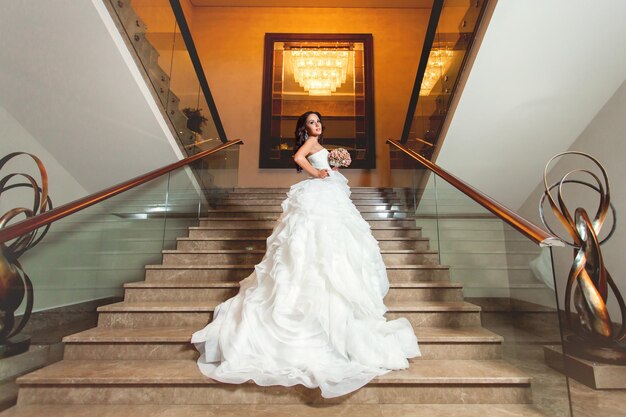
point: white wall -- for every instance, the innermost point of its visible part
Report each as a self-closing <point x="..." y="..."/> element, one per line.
<point x="90" y="254"/>
<point x="71" y="94"/>
<point x="15" y="138"/>
<point x="66" y="77"/>
<point x="544" y="70"/>
<point x="605" y="139"/>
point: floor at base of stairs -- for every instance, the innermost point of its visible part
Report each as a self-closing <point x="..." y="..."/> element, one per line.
<point x="425" y="410"/>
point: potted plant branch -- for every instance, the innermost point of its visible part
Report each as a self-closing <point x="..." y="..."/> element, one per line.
<point x="195" y="119"/>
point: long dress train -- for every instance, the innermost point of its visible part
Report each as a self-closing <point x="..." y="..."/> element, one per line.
<point x="312" y="311"/>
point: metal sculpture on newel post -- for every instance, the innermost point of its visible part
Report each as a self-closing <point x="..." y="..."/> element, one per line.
<point x="590" y="333"/>
<point x="15" y="285"/>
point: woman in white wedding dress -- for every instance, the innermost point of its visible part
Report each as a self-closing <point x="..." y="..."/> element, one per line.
<point x="312" y="312"/>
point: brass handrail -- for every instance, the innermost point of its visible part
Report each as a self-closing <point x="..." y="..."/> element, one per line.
<point x="525" y="227"/>
<point x="30" y="224"/>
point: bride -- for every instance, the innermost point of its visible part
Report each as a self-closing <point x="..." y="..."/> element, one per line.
<point x="312" y="312"/>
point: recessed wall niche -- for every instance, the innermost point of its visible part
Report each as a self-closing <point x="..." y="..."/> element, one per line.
<point x="328" y="73"/>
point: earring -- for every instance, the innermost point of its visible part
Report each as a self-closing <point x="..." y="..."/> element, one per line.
<point x="306" y="135"/>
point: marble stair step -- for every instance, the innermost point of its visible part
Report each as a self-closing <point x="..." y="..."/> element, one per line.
<point x="490" y="275"/>
<point x="253" y="190"/>
<point x="230" y="256"/>
<point x="165" y="343"/>
<point x="180" y="382"/>
<point x="263" y="199"/>
<point x="199" y="313"/>
<point x="236" y="272"/>
<point x="537" y="292"/>
<point x="480" y="234"/>
<point x="263" y="223"/>
<point x="276" y="410"/>
<point x="473" y="245"/>
<point x="219" y="291"/>
<point x="231" y="230"/>
<point x="357" y="201"/>
<point x="283" y="192"/>
<point x="274" y="214"/>
<point x="258" y="243"/>
<point x="490" y="258"/>
<point x="264" y="207"/>
<point x="283" y="195"/>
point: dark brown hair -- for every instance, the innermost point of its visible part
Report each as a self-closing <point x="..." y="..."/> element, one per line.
<point x="301" y="134"/>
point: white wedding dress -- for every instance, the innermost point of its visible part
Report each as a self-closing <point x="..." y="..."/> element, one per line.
<point x="312" y="311"/>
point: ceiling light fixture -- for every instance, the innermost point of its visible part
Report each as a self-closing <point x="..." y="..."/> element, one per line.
<point x="320" y="71"/>
<point x="439" y="62"/>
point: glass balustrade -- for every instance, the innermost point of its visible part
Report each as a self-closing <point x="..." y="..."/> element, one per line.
<point x="506" y="275"/>
<point x="452" y="41"/>
<point x="87" y="257"/>
<point x="156" y="37"/>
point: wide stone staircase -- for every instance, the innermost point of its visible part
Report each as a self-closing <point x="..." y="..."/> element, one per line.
<point x="139" y="361"/>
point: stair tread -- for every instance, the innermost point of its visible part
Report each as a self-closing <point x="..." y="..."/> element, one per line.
<point x="250" y="266"/>
<point x="238" y="251"/>
<point x="264" y="238"/>
<point x="253" y="219"/>
<point x="358" y="196"/>
<point x="231" y="284"/>
<point x="279" y="210"/>
<point x="162" y="372"/>
<point x="491" y="252"/>
<point x="278" y="200"/>
<point x="269" y="189"/>
<point x="268" y="200"/>
<point x="272" y="410"/>
<point x="201" y="306"/>
<point x="183" y="335"/>
<point x="512" y="285"/>
<point x="492" y="267"/>
<point x="274" y="211"/>
<point x="269" y="228"/>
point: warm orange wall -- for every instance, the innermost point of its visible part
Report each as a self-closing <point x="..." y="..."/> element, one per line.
<point x="230" y="44"/>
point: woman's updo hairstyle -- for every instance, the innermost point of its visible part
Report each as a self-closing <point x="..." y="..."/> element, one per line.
<point x="301" y="133"/>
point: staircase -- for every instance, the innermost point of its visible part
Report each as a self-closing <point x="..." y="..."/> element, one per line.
<point x="139" y="36"/>
<point x="138" y="360"/>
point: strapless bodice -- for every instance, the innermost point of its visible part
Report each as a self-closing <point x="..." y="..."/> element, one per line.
<point x="319" y="159"/>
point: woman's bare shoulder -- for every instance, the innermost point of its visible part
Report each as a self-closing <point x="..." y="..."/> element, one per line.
<point x="304" y="150"/>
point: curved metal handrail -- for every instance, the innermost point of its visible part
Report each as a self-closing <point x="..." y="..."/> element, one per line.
<point x="30" y="224"/>
<point x="524" y="226"/>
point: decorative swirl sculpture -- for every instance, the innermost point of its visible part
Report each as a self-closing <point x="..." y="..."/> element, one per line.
<point x="15" y="284"/>
<point x="594" y="334"/>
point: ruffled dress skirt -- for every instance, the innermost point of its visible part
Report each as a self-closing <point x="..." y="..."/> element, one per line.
<point x="312" y="312"/>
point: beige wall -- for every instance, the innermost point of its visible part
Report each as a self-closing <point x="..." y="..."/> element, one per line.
<point x="230" y="45"/>
<point x="604" y="138"/>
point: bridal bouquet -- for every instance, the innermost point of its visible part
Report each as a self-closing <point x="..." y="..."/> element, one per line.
<point x="339" y="157"/>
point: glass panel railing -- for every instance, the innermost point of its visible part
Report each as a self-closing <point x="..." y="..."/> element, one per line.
<point x="508" y="276"/>
<point x="452" y="41"/>
<point x="86" y="258"/>
<point x="156" y="37"/>
<point x="89" y="254"/>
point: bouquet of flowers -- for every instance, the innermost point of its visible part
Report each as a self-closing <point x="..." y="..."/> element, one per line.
<point x="339" y="157"/>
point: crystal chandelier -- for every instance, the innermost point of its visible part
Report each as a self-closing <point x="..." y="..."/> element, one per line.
<point x="438" y="64"/>
<point x="320" y="71"/>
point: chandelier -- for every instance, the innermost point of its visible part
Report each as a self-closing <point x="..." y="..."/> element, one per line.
<point x="438" y="64"/>
<point x="321" y="71"/>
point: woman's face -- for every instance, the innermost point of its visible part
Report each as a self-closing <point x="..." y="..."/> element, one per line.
<point x="313" y="125"/>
